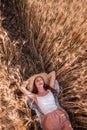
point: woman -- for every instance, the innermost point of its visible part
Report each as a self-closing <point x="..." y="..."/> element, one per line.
<point x="54" y="118"/>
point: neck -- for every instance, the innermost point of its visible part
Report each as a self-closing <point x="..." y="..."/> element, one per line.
<point x="43" y="92"/>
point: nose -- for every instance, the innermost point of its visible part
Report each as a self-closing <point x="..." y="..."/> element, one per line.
<point x="40" y="82"/>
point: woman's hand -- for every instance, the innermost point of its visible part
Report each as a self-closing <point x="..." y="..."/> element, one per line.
<point x="25" y="91"/>
<point x="24" y="84"/>
<point x="52" y="77"/>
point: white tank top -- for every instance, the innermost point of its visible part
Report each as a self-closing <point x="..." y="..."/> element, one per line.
<point x="46" y="103"/>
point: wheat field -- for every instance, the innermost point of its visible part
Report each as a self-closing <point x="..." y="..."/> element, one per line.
<point x="38" y="36"/>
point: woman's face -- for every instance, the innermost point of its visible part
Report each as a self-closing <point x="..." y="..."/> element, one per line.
<point x="39" y="82"/>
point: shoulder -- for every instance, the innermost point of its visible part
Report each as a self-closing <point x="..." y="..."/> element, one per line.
<point x="48" y="90"/>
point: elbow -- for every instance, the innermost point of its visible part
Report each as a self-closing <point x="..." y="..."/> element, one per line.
<point x="54" y="73"/>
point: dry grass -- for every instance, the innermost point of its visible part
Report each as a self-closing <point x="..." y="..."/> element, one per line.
<point x="42" y="36"/>
<point x="15" y="113"/>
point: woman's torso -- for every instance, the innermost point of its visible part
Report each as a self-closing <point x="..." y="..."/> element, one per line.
<point x="46" y="103"/>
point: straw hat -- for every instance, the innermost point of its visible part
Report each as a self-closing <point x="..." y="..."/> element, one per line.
<point x="31" y="80"/>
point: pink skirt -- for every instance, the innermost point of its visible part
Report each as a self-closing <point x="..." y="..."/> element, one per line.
<point x="56" y="120"/>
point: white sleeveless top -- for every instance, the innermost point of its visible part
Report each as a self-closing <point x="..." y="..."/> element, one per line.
<point x="46" y="103"/>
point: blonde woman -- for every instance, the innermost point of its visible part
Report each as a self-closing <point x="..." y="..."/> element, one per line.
<point x="41" y="88"/>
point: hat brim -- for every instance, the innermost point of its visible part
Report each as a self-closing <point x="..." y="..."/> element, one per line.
<point x="32" y="78"/>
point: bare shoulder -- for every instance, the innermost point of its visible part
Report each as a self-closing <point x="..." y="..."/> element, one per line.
<point x="48" y="90"/>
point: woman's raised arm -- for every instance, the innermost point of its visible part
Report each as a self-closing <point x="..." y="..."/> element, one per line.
<point x="52" y="77"/>
<point x="25" y="91"/>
